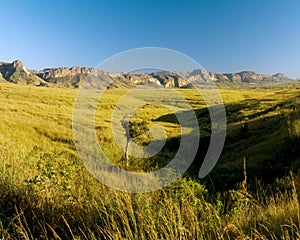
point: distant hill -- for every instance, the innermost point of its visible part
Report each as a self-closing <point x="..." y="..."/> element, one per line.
<point x="17" y="73"/>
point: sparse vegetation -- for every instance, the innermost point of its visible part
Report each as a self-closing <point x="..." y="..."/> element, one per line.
<point x="46" y="192"/>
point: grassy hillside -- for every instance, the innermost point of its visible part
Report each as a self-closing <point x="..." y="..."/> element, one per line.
<point x="46" y="192"/>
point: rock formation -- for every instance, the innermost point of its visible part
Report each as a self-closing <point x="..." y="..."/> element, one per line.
<point x="73" y="77"/>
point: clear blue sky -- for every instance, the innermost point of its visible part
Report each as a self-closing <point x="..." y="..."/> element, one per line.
<point x="223" y="36"/>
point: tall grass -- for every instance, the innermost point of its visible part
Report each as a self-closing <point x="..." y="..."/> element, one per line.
<point x="80" y="208"/>
<point x="46" y="192"/>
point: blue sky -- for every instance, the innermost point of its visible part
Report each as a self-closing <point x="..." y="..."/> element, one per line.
<point x="223" y="36"/>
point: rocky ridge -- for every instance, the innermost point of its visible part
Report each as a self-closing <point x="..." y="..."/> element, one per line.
<point x="17" y="73"/>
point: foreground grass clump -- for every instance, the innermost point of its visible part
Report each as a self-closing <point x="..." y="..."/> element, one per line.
<point x="58" y="204"/>
<point x="46" y="192"/>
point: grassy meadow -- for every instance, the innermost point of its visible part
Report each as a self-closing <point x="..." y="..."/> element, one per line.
<point x="252" y="193"/>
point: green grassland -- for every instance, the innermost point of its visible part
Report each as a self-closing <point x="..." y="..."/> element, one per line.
<point x="47" y="193"/>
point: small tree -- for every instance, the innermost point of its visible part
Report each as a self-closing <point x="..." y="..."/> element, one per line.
<point x="133" y="130"/>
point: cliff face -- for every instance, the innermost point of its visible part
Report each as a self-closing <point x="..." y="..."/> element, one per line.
<point x="252" y="77"/>
<point x="49" y="73"/>
<point x="170" y="79"/>
<point x="16" y="72"/>
<point x="136" y="79"/>
<point x="65" y="77"/>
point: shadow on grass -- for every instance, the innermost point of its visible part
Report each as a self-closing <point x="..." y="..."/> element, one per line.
<point x="261" y="137"/>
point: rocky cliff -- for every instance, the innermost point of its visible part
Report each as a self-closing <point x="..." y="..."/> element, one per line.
<point x="16" y="72"/>
<point x="73" y="77"/>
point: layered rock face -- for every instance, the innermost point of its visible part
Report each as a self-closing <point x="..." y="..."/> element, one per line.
<point x="49" y="73"/>
<point x="16" y="72"/>
<point x="252" y="77"/>
<point x="73" y="77"/>
<point x="170" y="79"/>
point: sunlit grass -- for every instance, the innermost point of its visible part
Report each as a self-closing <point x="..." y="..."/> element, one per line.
<point x="46" y="192"/>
